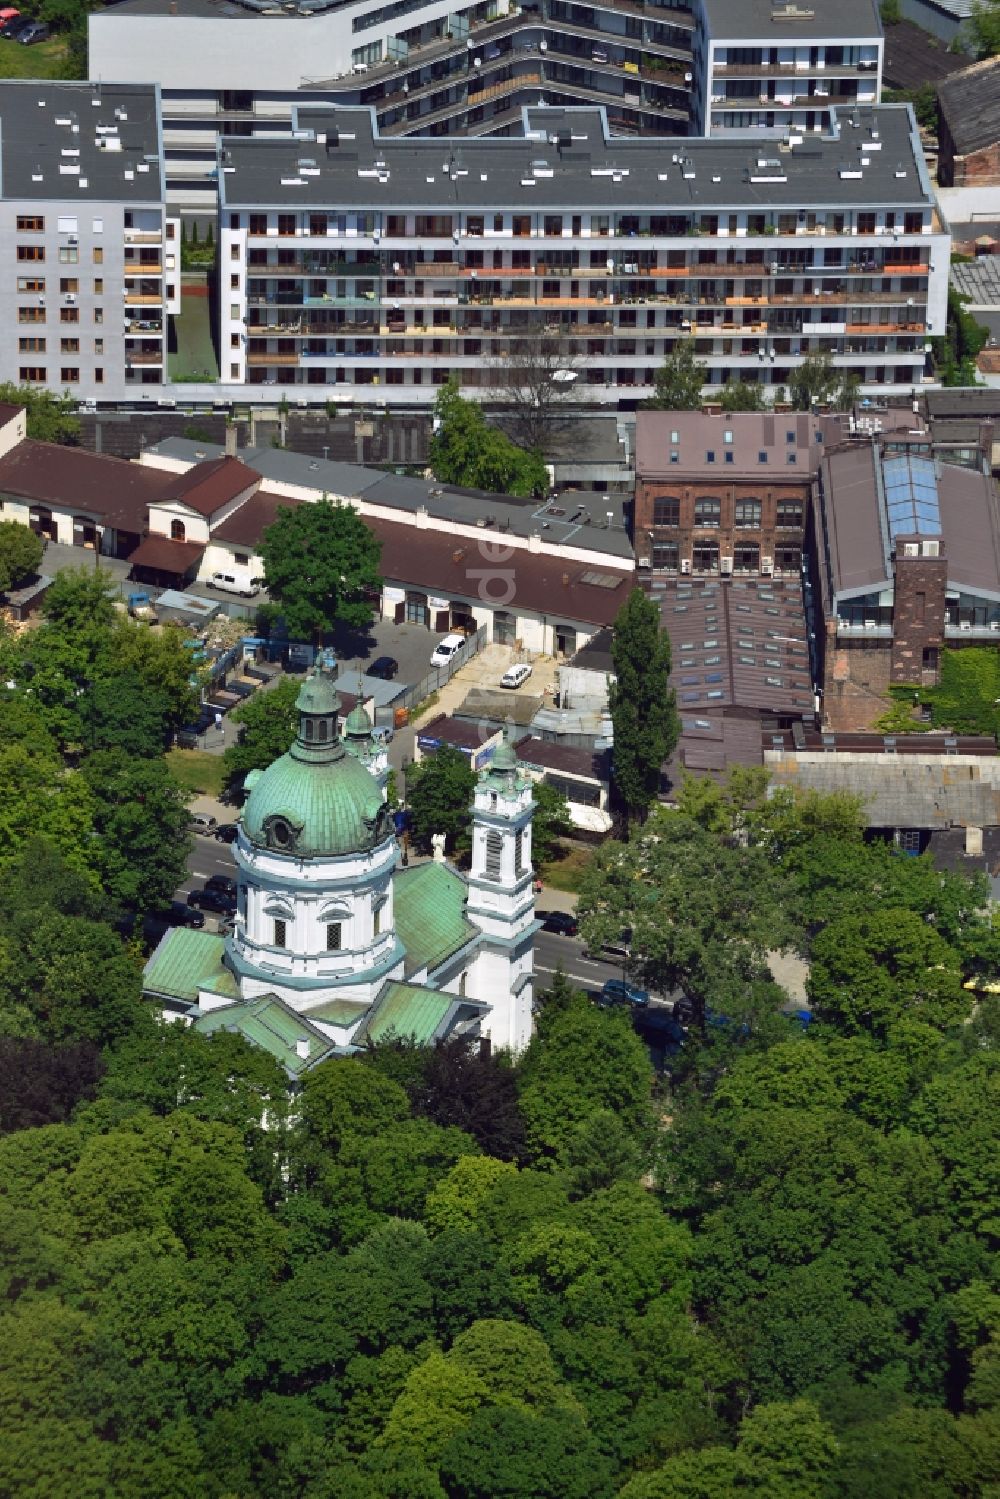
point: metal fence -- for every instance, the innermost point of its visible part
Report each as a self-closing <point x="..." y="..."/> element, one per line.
<point x="435" y="679"/>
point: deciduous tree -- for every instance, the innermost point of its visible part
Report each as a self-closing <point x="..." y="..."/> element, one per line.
<point x="643" y="706"/>
<point x="679" y="380"/>
<point x="20" y="553"/>
<point x="321" y="566"/>
<point x="439" y="796"/>
<point x="466" y="450"/>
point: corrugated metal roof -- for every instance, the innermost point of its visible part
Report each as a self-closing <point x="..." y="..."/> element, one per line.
<point x="185" y="962"/>
<point x="899" y="792"/>
<point x="407" y="1010"/>
<point x="275" y="1027"/>
<point x="430" y="914"/>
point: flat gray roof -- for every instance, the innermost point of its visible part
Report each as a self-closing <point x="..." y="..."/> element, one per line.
<point x="848" y="20"/>
<point x="580" y="521"/>
<point x="47" y="128"/>
<point x="567" y="158"/>
<point x="735" y="440"/>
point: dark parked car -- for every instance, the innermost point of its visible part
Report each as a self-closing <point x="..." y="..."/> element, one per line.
<point x="227" y="832"/>
<point x="559" y="921"/>
<point x="35" y="31"/>
<point x="222" y="883"/>
<point x="176" y="914"/>
<point x="13" y="28"/>
<point x="212" y="900"/>
<point x="386" y="667"/>
<point x="660" y="1029"/>
<point x="620" y="992"/>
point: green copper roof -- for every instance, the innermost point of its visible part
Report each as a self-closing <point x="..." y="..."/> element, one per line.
<point x="318" y="694"/>
<point x="185" y="962"/>
<point x="338" y="1012"/>
<point x="317" y="799"/>
<point x="430" y="914"/>
<point x="271" y="1024"/>
<point x="358" y="725"/>
<point x="332" y="808"/>
<point x="406" y="1010"/>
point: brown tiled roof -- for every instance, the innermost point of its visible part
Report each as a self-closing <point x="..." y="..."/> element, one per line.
<point x="445" y="564"/>
<point x="209" y="486"/>
<point x="545" y="754"/>
<point x="113" y="490"/>
<point x="247" y="525"/>
<point x="167" y="556"/>
<point x="8" y="412"/>
<point x="737" y="644"/>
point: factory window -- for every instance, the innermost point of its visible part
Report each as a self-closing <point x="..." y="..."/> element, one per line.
<point x="707" y="512"/>
<point x="666" y="511"/>
<point x="747" y="515"/>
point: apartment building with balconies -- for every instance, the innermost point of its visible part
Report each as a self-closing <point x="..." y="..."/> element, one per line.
<point x="92" y="265"/>
<point x="238" y="68"/>
<point x="781" y="66"/>
<point x="350" y="260"/>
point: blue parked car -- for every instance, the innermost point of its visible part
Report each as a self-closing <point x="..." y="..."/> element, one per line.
<point x="619" y="992"/>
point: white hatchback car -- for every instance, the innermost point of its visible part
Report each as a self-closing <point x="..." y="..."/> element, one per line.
<point x="445" y="649"/>
<point x="515" y="675"/>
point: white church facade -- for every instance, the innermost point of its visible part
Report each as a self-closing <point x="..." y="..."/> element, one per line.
<point x="334" y="946"/>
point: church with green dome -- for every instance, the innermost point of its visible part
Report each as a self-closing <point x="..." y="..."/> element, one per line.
<point x="335" y="945"/>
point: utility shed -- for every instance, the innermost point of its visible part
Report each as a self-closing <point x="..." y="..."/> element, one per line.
<point x="969" y="136"/>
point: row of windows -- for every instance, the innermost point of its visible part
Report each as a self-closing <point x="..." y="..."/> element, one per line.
<point x="66" y="314"/>
<point x="34" y="223"/>
<point x="68" y="254"/>
<point x="67" y="284"/>
<point x="706" y="558"/>
<point x="334" y="931"/>
<point x="747" y="513"/>
<point x="69" y="374"/>
<point x="37" y="345"/>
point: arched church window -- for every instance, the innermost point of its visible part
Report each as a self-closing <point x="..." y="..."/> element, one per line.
<point x="309" y="728"/>
<point x="322" y="730"/>
<point x="494" y="854"/>
<point x="333" y="936"/>
<point x="280" y="933"/>
<point x="177" y="530"/>
<point x="519" y="852"/>
<point x="377" y="919"/>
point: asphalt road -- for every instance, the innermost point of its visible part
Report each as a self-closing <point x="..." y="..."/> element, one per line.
<point x="552" y="951"/>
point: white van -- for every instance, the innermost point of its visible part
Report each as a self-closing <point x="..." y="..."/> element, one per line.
<point x="241" y="583"/>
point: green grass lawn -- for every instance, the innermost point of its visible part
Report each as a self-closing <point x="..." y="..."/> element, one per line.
<point x="194" y="356"/>
<point x="567" y="872"/>
<point x="45" y="60"/>
<point x="197" y="771"/>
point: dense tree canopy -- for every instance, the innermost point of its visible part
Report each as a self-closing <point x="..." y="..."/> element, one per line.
<point x="321" y="567"/>
<point x="766" y="1266"/>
